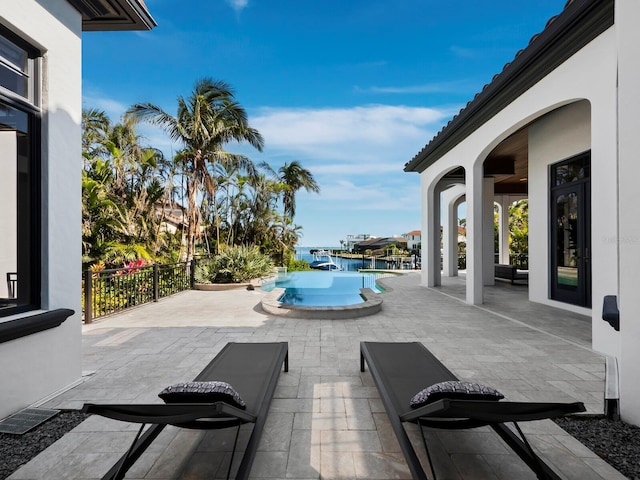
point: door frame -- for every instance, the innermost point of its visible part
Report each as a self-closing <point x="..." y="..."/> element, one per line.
<point x="581" y="186"/>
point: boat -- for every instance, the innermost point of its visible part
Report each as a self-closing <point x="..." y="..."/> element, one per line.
<point x="322" y="261"/>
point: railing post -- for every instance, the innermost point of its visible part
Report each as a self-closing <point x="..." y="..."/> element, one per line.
<point x="155" y="282"/>
<point x="192" y="273"/>
<point x="88" y="296"/>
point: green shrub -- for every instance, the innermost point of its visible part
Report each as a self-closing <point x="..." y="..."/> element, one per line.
<point x="298" y="266"/>
<point x="234" y="265"/>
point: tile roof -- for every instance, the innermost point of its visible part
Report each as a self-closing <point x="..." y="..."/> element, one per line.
<point x="579" y="22"/>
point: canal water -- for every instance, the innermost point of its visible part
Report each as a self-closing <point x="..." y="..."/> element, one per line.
<point x="347" y="264"/>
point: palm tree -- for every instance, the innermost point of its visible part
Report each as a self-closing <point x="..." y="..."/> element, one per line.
<point x="204" y="122"/>
<point x="122" y="183"/>
<point x="295" y="178"/>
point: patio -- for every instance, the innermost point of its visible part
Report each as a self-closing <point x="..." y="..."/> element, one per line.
<point x="326" y="420"/>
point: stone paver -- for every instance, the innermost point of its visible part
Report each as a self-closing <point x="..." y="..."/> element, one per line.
<point x="326" y="420"/>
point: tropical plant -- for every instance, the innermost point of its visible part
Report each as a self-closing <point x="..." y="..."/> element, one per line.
<point x="519" y="227"/>
<point x="234" y="265"/>
<point x="122" y="185"/>
<point x="294" y="178"/>
<point x="204" y="123"/>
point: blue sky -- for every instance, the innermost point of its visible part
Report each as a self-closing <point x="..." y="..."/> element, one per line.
<point x="351" y="89"/>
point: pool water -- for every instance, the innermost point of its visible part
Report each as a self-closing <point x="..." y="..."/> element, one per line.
<point x="324" y="288"/>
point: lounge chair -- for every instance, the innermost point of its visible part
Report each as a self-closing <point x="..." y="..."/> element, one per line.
<point x="400" y="370"/>
<point x="251" y="368"/>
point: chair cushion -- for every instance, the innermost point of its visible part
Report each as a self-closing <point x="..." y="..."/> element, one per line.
<point x="454" y="389"/>
<point x="202" y="392"/>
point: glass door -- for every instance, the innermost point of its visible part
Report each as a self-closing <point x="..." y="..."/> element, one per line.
<point x="570" y="268"/>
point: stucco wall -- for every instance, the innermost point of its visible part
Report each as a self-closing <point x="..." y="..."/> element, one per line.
<point x="590" y="74"/>
<point x="628" y="237"/>
<point x="557" y="136"/>
<point x="36" y="366"/>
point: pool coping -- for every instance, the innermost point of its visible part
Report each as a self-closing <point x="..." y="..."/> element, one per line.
<point x="371" y="305"/>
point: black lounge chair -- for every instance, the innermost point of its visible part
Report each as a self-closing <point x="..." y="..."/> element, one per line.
<point x="400" y="370"/>
<point x="251" y="368"/>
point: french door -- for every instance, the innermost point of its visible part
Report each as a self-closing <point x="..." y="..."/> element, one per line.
<point x="570" y="242"/>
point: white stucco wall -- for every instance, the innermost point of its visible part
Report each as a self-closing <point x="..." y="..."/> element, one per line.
<point x="38" y="365"/>
<point x="557" y="136"/>
<point x="597" y="63"/>
<point x="628" y="236"/>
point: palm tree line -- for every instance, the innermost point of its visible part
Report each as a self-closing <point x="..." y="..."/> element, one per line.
<point x="130" y="190"/>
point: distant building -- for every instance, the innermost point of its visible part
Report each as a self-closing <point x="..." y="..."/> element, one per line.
<point x="172" y="217"/>
<point x="414" y="239"/>
<point x="378" y="245"/>
<point x="353" y="239"/>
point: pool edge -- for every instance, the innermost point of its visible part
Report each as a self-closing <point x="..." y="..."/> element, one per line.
<point x="371" y="305"/>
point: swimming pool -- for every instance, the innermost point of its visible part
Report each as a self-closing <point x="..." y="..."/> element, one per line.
<point x="324" y="288"/>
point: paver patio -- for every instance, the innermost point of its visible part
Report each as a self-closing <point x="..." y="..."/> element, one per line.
<point x="326" y="420"/>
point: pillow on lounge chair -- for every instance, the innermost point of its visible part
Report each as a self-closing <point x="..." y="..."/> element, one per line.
<point x="454" y="389"/>
<point x="202" y="392"/>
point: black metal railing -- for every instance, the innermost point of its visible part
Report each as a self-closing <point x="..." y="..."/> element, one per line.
<point x="110" y="291"/>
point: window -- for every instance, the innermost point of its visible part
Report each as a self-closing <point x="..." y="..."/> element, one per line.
<point x="19" y="177"/>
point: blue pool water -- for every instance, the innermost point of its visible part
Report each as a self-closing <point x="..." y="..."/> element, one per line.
<point x="323" y="288"/>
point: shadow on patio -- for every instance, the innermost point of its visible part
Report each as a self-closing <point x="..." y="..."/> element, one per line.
<point x="326" y="420"/>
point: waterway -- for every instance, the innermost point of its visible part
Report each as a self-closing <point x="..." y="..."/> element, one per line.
<point x="347" y="264"/>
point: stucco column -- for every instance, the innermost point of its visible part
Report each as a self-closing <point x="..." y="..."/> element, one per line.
<point x="503" y="229"/>
<point x="430" y="234"/>
<point x="627" y="17"/>
<point x="474" y="196"/>
<point x="488" y="246"/>
<point x="450" y="201"/>
<point x="437" y="239"/>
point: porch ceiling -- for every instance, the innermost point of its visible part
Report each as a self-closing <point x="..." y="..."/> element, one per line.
<point x="508" y="165"/>
<point x="515" y="149"/>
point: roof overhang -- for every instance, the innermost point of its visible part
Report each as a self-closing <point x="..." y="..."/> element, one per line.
<point x="103" y="15"/>
<point x="579" y="23"/>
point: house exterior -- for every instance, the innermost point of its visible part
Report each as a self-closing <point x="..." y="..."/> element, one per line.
<point x="413" y="239"/>
<point x="558" y="126"/>
<point x="40" y="144"/>
<point x="353" y="239"/>
<point x="380" y="243"/>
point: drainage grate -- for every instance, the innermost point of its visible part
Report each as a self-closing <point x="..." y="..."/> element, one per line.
<point x="23" y="421"/>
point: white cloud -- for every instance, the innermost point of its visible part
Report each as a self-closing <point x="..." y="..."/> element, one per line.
<point x="238" y="5"/>
<point x="372" y="134"/>
<point x="463" y="52"/>
<point x="436" y="87"/>
<point x="378" y="196"/>
<point x="113" y="108"/>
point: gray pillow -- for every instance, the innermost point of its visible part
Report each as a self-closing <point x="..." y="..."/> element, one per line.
<point x="454" y="389"/>
<point x="202" y="392"/>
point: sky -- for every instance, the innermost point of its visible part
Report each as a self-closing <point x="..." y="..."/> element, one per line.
<point x="351" y="89"/>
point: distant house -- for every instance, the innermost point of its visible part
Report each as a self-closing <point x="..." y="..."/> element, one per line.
<point x="173" y="218"/>
<point x="413" y="238"/>
<point x="354" y="239"/>
<point x="380" y="244"/>
<point x="40" y="147"/>
<point x="558" y="126"/>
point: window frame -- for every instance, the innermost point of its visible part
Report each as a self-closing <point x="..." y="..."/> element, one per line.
<point x="30" y="106"/>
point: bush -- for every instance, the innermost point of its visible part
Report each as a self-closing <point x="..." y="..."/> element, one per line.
<point x="298" y="265"/>
<point x="234" y="265"/>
